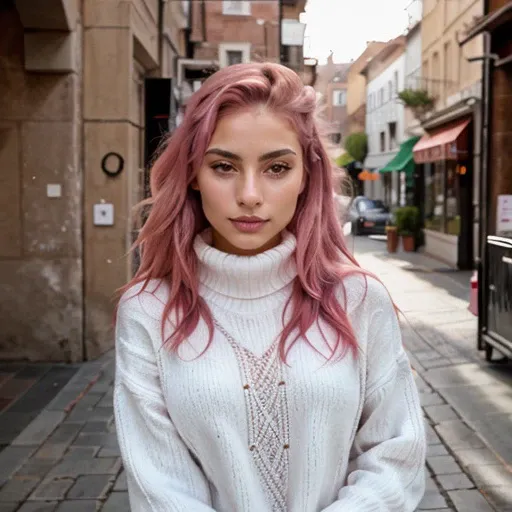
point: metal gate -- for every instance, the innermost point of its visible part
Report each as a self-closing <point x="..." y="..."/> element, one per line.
<point x="495" y="298"/>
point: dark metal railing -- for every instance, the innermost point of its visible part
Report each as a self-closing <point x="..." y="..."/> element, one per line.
<point x="498" y="295"/>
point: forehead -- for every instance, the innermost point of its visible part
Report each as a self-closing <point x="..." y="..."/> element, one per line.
<point x="257" y="128"/>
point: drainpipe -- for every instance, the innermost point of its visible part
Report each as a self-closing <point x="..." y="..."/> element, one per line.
<point x="279" y="31"/>
<point x="161" y="10"/>
<point x="203" y="19"/>
<point x="189" y="47"/>
<point x="483" y="185"/>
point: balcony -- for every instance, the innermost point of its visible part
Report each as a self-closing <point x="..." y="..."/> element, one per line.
<point x="424" y="95"/>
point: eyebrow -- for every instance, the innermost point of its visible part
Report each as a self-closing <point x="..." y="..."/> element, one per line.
<point x="262" y="158"/>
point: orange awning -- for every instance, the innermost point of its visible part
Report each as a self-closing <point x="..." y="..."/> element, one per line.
<point x="447" y="143"/>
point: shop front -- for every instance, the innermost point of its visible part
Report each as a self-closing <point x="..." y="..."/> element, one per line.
<point x="495" y="262"/>
<point x="446" y="156"/>
<point x="403" y="166"/>
<point x="382" y="187"/>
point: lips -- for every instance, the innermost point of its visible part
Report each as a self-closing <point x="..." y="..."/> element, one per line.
<point x="252" y="218"/>
<point x="247" y="224"/>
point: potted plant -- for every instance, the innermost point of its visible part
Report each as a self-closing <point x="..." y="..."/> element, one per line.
<point x="418" y="100"/>
<point x="408" y="224"/>
<point x="391" y="236"/>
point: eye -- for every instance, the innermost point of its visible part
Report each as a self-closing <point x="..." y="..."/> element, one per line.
<point x="222" y="167"/>
<point x="278" y="169"/>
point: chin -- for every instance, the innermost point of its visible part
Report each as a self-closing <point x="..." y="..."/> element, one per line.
<point x="251" y="243"/>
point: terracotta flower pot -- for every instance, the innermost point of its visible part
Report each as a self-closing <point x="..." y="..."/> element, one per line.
<point x="408" y="243"/>
<point x="392" y="239"/>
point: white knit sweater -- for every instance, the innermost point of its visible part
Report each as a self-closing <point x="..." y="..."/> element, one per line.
<point x="234" y="430"/>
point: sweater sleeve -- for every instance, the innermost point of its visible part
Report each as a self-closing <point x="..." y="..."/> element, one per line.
<point x="161" y="474"/>
<point x="386" y="469"/>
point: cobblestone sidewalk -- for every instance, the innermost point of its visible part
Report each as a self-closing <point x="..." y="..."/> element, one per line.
<point x="67" y="459"/>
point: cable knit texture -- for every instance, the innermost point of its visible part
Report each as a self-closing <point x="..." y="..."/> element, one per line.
<point x="235" y="430"/>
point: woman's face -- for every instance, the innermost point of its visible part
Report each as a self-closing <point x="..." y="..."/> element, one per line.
<point x="250" y="180"/>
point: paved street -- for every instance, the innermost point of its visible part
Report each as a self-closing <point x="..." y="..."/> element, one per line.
<point x="67" y="459"/>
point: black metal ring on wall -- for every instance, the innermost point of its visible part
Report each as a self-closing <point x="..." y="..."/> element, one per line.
<point x="120" y="164"/>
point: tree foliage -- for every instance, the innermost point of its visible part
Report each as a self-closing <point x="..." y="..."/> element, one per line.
<point x="356" y="145"/>
<point x="344" y="159"/>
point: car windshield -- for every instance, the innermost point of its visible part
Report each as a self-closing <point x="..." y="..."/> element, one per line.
<point x="370" y="204"/>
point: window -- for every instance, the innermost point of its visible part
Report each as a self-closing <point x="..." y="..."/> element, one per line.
<point x="435" y="74"/>
<point x="381" y="98"/>
<point x="390" y="89"/>
<point x="392" y="135"/>
<point x="236" y="7"/>
<point x="395" y="80"/>
<point x="448" y="66"/>
<point x="452" y="217"/>
<point x="434" y="196"/>
<point x="458" y="64"/>
<point x="234" y="57"/>
<point x="335" y="138"/>
<point x="339" y="98"/>
<point x="425" y="72"/>
<point x="382" y="142"/>
<point x="234" y="53"/>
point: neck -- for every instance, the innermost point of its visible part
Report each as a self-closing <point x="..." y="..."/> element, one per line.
<point x="246" y="277"/>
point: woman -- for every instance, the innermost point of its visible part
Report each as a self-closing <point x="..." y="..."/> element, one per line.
<point x="258" y="367"/>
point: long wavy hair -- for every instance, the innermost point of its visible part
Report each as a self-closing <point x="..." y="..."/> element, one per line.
<point x="176" y="216"/>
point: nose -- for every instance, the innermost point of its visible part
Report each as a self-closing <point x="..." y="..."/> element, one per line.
<point x="249" y="191"/>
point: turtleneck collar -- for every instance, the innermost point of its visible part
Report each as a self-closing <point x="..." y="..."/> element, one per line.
<point x="246" y="277"/>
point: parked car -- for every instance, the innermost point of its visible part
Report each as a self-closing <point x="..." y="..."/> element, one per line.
<point x="368" y="216"/>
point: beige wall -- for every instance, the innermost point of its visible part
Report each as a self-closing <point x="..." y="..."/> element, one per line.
<point x="58" y="270"/>
<point x="118" y="52"/>
<point x="445" y="69"/>
<point x="356" y="85"/>
<point x="40" y="237"/>
<point x="381" y="63"/>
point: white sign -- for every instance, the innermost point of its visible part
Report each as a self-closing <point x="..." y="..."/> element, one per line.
<point x="504" y="215"/>
<point x="103" y="214"/>
<point x="53" y="190"/>
<point x="292" y="33"/>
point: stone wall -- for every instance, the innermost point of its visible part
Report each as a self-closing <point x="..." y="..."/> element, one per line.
<point x="40" y="236"/>
<point x="120" y="49"/>
<point x="59" y="271"/>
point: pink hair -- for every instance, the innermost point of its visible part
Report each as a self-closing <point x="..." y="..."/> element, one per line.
<point x="176" y="217"/>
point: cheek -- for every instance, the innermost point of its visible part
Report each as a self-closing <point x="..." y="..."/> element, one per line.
<point x="213" y="192"/>
<point x="294" y="187"/>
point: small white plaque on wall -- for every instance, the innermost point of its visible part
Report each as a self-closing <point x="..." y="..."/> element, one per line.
<point x="53" y="190"/>
<point x="104" y="214"/>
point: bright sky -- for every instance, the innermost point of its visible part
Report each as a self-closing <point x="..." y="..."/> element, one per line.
<point x="344" y="26"/>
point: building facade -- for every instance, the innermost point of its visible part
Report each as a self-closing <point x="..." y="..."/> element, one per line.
<point x="450" y="147"/>
<point x="356" y="88"/>
<point x="413" y="62"/>
<point x="331" y="87"/>
<point x="225" y="32"/>
<point x="72" y="156"/>
<point x="495" y="261"/>
<point x="384" y="122"/>
<point x="88" y="89"/>
<point x="235" y="32"/>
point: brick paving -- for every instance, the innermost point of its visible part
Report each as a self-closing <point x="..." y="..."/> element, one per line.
<point x="67" y="458"/>
<point x="25" y="390"/>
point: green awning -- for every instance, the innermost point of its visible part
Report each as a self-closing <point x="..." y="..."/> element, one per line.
<point x="403" y="160"/>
